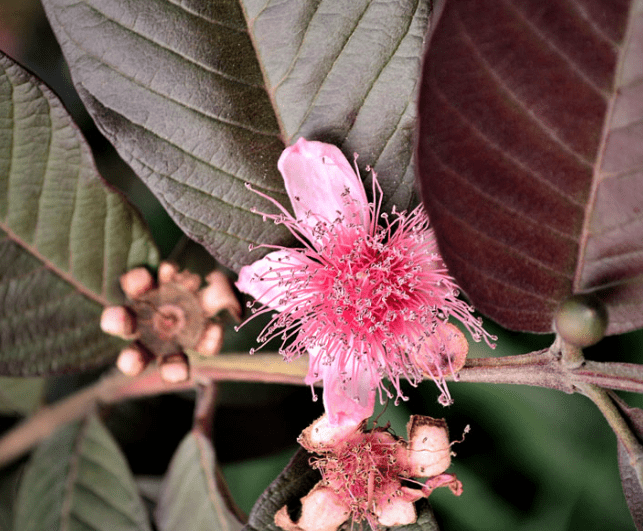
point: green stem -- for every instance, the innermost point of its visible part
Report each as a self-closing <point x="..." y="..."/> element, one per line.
<point x="624" y="434"/>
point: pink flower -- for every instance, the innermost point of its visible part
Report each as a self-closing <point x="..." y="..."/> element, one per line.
<point x="367" y="475"/>
<point x="364" y="301"/>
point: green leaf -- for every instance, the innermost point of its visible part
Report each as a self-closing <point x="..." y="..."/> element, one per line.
<point x="20" y="395"/>
<point x="64" y="237"/>
<point x="293" y="483"/>
<point x="9" y="480"/>
<point x="201" y="97"/>
<point x="193" y="496"/>
<point x="79" y="480"/>
<point x="630" y="476"/>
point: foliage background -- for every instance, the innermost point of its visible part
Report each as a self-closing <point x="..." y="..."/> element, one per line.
<point x="534" y="459"/>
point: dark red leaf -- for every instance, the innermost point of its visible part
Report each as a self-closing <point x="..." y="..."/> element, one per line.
<point x="530" y="158"/>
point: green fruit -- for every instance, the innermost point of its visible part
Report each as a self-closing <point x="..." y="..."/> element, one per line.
<point x="581" y="320"/>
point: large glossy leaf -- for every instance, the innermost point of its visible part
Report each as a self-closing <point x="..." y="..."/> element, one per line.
<point x="191" y="495"/>
<point x="531" y="121"/>
<point x="79" y="480"/>
<point x="64" y="237"/>
<point x="201" y="97"/>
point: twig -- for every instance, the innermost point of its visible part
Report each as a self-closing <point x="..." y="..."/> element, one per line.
<point x="114" y="387"/>
<point x="544" y="368"/>
<point x="601" y="398"/>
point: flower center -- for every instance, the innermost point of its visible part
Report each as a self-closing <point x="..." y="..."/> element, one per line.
<point x="361" y="468"/>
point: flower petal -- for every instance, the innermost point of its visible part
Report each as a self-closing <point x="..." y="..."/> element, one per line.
<point x="429" y="452"/>
<point x="349" y="388"/>
<point x="321" y="510"/>
<point x="321" y="185"/>
<point x="322" y="437"/>
<point x="262" y="279"/>
<point x="396" y="511"/>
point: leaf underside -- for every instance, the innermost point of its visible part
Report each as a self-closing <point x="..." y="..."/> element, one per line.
<point x="201" y="97"/>
<point x="64" y="237"/>
<point x="79" y="480"/>
<point x="190" y="497"/>
<point x="529" y="155"/>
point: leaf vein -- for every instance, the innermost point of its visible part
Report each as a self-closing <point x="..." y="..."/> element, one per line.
<point x="88" y="487"/>
<point x="474" y="128"/>
<point x="114" y="68"/>
<point x="572" y="64"/>
<point x="349" y="35"/>
<point x="510" y="249"/>
<point x="161" y="45"/>
<point x="514" y="97"/>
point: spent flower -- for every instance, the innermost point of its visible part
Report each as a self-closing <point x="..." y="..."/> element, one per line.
<point x="368" y="475"/>
<point x="367" y="295"/>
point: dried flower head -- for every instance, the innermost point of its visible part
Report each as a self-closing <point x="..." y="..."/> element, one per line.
<point x="364" y="300"/>
<point x="368" y="475"/>
<point x="167" y="319"/>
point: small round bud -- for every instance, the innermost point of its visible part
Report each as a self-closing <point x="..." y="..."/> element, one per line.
<point x="132" y="360"/>
<point x="581" y="320"/>
<point x="218" y="295"/>
<point x="211" y="341"/>
<point x="190" y="281"/>
<point x="174" y="368"/>
<point x="136" y="282"/>
<point x="118" y="321"/>
<point x="167" y="272"/>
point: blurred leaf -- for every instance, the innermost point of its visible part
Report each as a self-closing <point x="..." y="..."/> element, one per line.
<point x="191" y="495"/>
<point x="9" y="479"/>
<point x="293" y="483"/>
<point x="531" y="115"/>
<point x="78" y="479"/>
<point x="200" y="97"/>
<point x="20" y="395"/>
<point x="632" y="487"/>
<point x="64" y="238"/>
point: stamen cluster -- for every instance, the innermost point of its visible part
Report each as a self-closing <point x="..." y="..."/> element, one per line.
<point x="367" y="295"/>
<point x="362" y="467"/>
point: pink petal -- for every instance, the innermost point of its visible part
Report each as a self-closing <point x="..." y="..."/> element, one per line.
<point x="349" y="389"/>
<point x="443" y="480"/>
<point x="261" y="279"/>
<point x="396" y="512"/>
<point x="321" y="436"/>
<point x="394" y="505"/>
<point x="429" y="450"/>
<point x="321" y="510"/>
<point x="322" y="185"/>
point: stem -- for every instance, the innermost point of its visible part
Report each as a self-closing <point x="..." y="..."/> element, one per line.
<point x="540" y="369"/>
<point x="206" y="398"/>
<point x="114" y="387"/>
<point x="624" y="434"/>
<point x="545" y="368"/>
